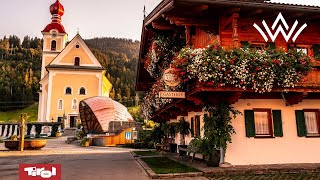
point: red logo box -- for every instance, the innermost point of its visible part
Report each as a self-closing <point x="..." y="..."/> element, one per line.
<point x="39" y="171"/>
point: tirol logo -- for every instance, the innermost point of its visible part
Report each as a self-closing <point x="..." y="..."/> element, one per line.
<point x="280" y="29"/>
<point x="40" y="171"/>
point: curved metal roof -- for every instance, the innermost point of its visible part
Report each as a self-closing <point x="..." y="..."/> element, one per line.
<point x="97" y="112"/>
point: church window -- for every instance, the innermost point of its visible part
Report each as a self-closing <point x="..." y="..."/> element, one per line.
<point x="77" y="46"/>
<point x="53" y="45"/>
<point x="74" y="104"/>
<point x="76" y="61"/>
<point x="60" y="104"/>
<point x="68" y="90"/>
<point x="82" y="91"/>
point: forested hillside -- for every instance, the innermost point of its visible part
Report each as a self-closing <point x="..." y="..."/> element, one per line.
<point x="20" y="65"/>
<point x="120" y="58"/>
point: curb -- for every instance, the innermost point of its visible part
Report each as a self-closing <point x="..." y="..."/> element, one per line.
<point x="153" y="175"/>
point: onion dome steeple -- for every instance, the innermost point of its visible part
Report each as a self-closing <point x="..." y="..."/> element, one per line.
<point x="57" y="10"/>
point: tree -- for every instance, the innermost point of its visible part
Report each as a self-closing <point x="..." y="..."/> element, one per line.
<point x="26" y="42"/>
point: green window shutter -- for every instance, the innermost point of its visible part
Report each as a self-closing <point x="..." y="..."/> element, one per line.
<point x="249" y="122"/>
<point x="277" y="123"/>
<point x="192" y="127"/>
<point x="301" y="123"/>
<point x="198" y="126"/>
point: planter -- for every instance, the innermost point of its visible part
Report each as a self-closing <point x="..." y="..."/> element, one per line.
<point x="86" y="144"/>
<point x="182" y="153"/>
<point x="58" y="134"/>
<point x="28" y="144"/>
<point x="214" y="160"/>
<point x="99" y="141"/>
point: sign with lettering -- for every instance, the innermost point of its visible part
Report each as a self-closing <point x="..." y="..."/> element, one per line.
<point x="171" y="94"/>
<point x="170" y="78"/>
<point x="39" y="171"/>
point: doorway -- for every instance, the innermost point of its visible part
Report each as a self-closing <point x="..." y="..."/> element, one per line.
<point x="73" y="121"/>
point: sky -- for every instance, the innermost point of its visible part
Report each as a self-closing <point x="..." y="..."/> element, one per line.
<point x="93" y="18"/>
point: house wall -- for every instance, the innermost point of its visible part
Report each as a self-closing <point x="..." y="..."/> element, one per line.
<point x="279" y="150"/>
<point x="287" y="149"/>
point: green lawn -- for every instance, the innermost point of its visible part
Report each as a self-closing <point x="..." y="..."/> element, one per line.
<point x="164" y="165"/>
<point x="14" y="116"/>
<point x="146" y="153"/>
<point x="294" y="176"/>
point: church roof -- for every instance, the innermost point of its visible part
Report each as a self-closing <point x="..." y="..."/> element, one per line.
<point x="58" y="26"/>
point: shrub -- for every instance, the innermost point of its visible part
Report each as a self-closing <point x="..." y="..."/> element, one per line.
<point x="80" y="134"/>
<point x="84" y="140"/>
<point x="14" y="138"/>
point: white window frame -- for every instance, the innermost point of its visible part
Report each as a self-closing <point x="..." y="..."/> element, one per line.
<point x="316" y="111"/>
<point x="76" y="106"/>
<point x="59" y="104"/>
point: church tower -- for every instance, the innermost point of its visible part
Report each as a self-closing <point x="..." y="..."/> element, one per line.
<point x="55" y="39"/>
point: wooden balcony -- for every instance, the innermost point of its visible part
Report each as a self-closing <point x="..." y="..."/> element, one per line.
<point x="200" y="94"/>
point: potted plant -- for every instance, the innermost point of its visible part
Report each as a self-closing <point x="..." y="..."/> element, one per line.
<point x="14" y="138"/>
<point x="217" y="132"/>
<point x="85" y="142"/>
<point x="58" y="134"/>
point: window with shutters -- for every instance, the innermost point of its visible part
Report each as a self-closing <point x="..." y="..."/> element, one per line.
<point x="312" y="122"/>
<point x="195" y="126"/>
<point x="263" y="123"/>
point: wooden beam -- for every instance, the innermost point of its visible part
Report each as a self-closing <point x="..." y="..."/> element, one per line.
<point x="162" y="26"/>
<point x="196" y="100"/>
<point x="292" y="98"/>
<point x="188" y="36"/>
<point x="183" y="21"/>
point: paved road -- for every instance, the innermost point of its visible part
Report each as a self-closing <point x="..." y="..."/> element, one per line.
<point x="93" y="163"/>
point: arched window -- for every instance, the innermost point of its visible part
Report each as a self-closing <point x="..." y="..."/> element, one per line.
<point x="53" y="45"/>
<point x="76" y="61"/>
<point x="74" y="104"/>
<point x="60" y="104"/>
<point x="82" y="91"/>
<point x="68" y="90"/>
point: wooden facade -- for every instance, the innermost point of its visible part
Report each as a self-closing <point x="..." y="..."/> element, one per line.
<point x="230" y="23"/>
